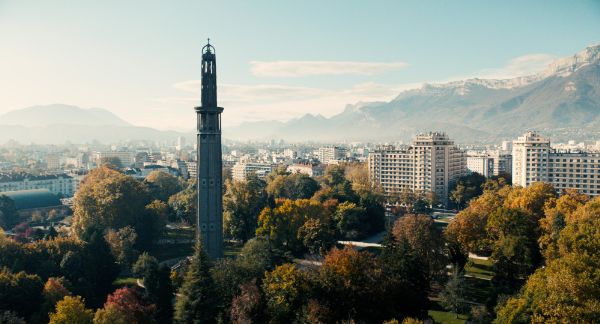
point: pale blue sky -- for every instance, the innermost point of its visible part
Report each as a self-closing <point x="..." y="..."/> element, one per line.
<point x="276" y="59"/>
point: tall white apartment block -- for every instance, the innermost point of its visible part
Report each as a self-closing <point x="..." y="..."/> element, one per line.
<point x="241" y="170"/>
<point x="530" y="159"/>
<point x="534" y="160"/>
<point x="490" y="164"/>
<point x="431" y="164"/>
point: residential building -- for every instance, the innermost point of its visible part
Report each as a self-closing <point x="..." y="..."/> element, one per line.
<point x="313" y="170"/>
<point x="242" y="169"/>
<point x="58" y="184"/>
<point x="534" y="160"/>
<point x="431" y="164"/>
<point x="489" y="164"/>
<point x="328" y="153"/>
<point x="127" y="158"/>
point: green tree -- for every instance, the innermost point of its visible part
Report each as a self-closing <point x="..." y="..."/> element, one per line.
<point x="71" y="310"/>
<point x="452" y="296"/>
<point x="196" y="301"/>
<point x="162" y="185"/>
<point x="184" y="203"/>
<point x="351" y="220"/>
<point x="20" y="292"/>
<point x="158" y="288"/>
<point x="317" y="236"/>
<point x="466" y="188"/>
<point x="292" y="186"/>
<point x="8" y="212"/>
<point x="242" y="204"/>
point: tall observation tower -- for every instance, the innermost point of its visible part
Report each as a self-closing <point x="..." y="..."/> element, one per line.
<point x="209" y="174"/>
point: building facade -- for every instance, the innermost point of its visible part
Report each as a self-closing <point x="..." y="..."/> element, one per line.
<point x="431" y="164"/>
<point x="58" y="184"/>
<point x="241" y="170"/>
<point x="209" y="176"/>
<point x="534" y="160"/>
<point x="489" y="164"/>
<point x="331" y="153"/>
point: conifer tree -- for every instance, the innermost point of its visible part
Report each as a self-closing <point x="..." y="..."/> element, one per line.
<point x="196" y="299"/>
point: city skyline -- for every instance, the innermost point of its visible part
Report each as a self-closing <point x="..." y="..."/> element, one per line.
<point x="143" y="65"/>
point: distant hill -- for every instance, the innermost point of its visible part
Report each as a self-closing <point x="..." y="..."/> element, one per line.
<point x="57" y="124"/>
<point x="563" y="99"/>
<point x="60" y="114"/>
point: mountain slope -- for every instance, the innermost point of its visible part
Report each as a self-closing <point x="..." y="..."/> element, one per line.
<point x="563" y="100"/>
<point x="60" y="114"/>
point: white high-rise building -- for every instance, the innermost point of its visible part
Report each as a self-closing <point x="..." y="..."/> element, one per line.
<point x="489" y="164"/>
<point x="330" y="153"/>
<point x="431" y="164"/>
<point x="534" y="160"/>
<point x="530" y="159"/>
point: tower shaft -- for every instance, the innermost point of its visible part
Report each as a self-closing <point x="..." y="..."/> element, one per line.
<point x="209" y="172"/>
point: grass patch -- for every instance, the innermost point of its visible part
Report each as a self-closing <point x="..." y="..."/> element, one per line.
<point x="125" y="281"/>
<point x="231" y="251"/>
<point x="478" y="268"/>
<point x="439" y="315"/>
<point x="185" y="233"/>
<point x="165" y="252"/>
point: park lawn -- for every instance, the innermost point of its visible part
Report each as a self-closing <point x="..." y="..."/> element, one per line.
<point x="124" y="281"/>
<point x="186" y="233"/>
<point x="482" y="269"/>
<point x="439" y="315"/>
<point x="164" y="252"/>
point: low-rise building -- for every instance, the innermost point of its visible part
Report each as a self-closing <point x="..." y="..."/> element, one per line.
<point x="59" y="184"/>
<point x="241" y="170"/>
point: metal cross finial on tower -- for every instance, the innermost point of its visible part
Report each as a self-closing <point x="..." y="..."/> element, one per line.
<point x="208" y="39"/>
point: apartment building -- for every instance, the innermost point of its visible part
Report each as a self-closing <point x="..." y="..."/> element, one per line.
<point x="431" y="164"/>
<point x="242" y="169"/>
<point x="489" y="164"/>
<point x="534" y="160"/>
<point x="59" y="184"/>
<point x="330" y="153"/>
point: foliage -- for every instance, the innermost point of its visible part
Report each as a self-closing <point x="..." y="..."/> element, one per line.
<point x="351" y="220"/>
<point x="242" y="204"/>
<point x="285" y="288"/>
<point x="466" y="188"/>
<point x="162" y="185"/>
<point x="245" y="307"/>
<point x="71" y="310"/>
<point x="424" y="238"/>
<point x="452" y="296"/>
<point x="292" y="186"/>
<point x="8" y="212"/>
<point x="280" y="225"/>
<point x="109" y="199"/>
<point x="317" y="236"/>
<point x="122" y="244"/>
<point x="196" y="301"/>
<point x="9" y="317"/>
<point x="129" y="303"/>
<point x="19" y="292"/>
<point x="567" y="289"/>
<point x="184" y="204"/>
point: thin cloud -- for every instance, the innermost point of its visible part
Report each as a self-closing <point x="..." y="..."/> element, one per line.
<point x="312" y="68"/>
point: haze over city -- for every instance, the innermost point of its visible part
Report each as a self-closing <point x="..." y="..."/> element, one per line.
<point x="248" y="162"/>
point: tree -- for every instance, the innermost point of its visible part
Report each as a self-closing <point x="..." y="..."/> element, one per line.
<point x="111" y="162"/>
<point x="284" y="288"/>
<point x="162" y="185"/>
<point x="245" y="307"/>
<point x="466" y="188"/>
<point x="280" y="225"/>
<point x="242" y="204"/>
<point x="8" y="212"/>
<point x="184" y="203"/>
<point x="292" y="186"/>
<point x="54" y="291"/>
<point x="452" y="296"/>
<point x="129" y="303"/>
<point x="71" y="310"/>
<point x="20" y="292"/>
<point x="109" y="199"/>
<point x="531" y="199"/>
<point x="357" y="276"/>
<point x="515" y="247"/>
<point x="424" y="238"/>
<point x="196" y="301"/>
<point x="405" y="281"/>
<point x="122" y="244"/>
<point x="158" y="288"/>
<point x="317" y="237"/>
<point x="9" y="317"/>
<point x="351" y="220"/>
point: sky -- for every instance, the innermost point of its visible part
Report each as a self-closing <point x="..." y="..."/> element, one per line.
<point x="276" y="60"/>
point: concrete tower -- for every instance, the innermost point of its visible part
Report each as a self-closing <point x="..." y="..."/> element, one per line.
<point x="209" y="174"/>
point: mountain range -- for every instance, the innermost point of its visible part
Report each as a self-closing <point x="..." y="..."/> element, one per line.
<point x="57" y="124"/>
<point x="562" y="101"/>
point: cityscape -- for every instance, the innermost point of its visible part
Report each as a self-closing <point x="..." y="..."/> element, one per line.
<point x="319" y="187"/>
